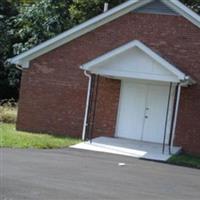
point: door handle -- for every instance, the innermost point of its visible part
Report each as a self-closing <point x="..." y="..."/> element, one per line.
<point x="146" y="117"/>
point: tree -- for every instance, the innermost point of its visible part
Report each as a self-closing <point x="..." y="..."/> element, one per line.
<point x="9" y="77"/>
<point x="82" y="10"/>
<point x="46" y="18"/>
<point x="23" y="26"/>
<point x="39" y="22"/>
<point x="193" y="4"/>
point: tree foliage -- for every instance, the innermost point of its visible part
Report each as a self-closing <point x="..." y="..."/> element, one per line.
<point x="193" y="4"/>
<point x="81" y="10"/>
<point x="26" y="23"/>
<point x="9" y="77"/>
<point x="39" y="22"/>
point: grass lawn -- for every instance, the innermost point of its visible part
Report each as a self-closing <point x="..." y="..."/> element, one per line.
<point x="185" y="160"/>
<point x="9" y="137"/>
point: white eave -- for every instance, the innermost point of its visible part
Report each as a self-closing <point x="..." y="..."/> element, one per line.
<point x="23" y="59"/>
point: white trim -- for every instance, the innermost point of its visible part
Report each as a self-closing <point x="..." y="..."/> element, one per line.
<point x="144" y="48"/>
<point x="24" y="58"/>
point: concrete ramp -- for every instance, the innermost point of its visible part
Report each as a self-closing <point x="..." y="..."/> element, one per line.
<point x="126" y="147"/>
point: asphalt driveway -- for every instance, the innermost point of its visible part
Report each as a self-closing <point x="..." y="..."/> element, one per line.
<point x="80" y="175"/>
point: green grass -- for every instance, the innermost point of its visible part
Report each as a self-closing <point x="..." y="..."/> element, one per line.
<point x="11" y="138"/>
<point x="185" y="160"/>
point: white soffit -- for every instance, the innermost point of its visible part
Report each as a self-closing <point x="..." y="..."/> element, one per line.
<point x="93" y="64"/>
<point x="23" y="59"/>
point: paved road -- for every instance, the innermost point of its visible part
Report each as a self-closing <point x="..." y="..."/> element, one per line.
<point x="70" y="174"/>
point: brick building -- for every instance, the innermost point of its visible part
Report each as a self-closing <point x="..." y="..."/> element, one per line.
<point x="131" y="72"/>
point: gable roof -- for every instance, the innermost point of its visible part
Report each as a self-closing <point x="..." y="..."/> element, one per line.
<point x="23" y="59"/>
<point x="124" y="48"/>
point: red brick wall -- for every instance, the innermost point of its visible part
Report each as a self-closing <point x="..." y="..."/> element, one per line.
<point x="53" y="89"/>
<point x="188" y="125"/>
<point x="106" y="95"/>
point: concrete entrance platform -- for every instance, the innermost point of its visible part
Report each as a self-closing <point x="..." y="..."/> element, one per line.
<point x="126" y="147"/>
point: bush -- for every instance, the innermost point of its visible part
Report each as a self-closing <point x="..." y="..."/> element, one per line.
<point x="8" y="111"/>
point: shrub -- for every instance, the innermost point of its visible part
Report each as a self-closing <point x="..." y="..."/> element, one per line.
<point x="8" y="111"/>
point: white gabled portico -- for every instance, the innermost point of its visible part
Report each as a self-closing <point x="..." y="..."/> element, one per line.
<point x="135" y="61"/>
<point x="148" y="88"/>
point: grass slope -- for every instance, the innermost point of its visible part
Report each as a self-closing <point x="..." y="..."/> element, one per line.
<point x="9" y="137"/>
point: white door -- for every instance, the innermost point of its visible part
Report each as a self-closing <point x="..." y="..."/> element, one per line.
<point x="142" y="111"/>
<point x="131" y="110"/>
<point x="155" y="114"/>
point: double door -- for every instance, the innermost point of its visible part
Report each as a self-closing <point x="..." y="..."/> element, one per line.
<point x="142" y="111"/>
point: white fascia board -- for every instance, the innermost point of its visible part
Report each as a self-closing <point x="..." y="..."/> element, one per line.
<point x="88" y="66"/>
<point x="183" y="10"/>
<point x="77" y="31"/>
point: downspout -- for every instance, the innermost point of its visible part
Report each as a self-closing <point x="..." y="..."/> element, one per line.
<point x="87" y="104"/>
<point x="176" y="115"/>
